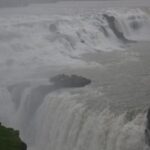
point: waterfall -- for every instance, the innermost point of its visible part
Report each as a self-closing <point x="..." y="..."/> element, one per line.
<point x="77" y="119"/>
<point x="72" y="118"/>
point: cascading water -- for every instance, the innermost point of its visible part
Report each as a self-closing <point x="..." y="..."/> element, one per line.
<point x="75" y="119"/>
<point x="69" y="118"/>
<point x="35" y="41"/>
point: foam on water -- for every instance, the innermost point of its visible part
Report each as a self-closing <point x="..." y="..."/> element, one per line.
<point x="43" y="40"/>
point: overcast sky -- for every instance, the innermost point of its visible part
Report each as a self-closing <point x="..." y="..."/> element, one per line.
<point x="9" y="3"/>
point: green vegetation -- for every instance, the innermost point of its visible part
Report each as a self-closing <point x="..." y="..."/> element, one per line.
<point x="9" y="139"/>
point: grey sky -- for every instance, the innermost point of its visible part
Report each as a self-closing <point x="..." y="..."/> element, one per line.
<point x="13" y="3"/>
<point x="18" y="2"/>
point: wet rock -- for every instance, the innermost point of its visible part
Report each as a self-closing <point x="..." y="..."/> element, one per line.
<point x="63" y="80"/>
<point x="112" y="24"/>
<point x="24" y="146"/>
<point x="147" y="130"/>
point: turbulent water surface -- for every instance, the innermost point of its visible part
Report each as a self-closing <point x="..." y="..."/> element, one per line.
<point x="108" y="46"/>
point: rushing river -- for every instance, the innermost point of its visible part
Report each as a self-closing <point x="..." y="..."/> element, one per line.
<point x="108" y="46"/>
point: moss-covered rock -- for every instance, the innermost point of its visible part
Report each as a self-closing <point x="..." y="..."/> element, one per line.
<point x="10" y="140"/>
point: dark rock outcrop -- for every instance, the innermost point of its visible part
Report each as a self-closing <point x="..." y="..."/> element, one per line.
<point x="112" y="24"/>
<point x="71" y="81"/>
<point x="147" y="130"/>
<point x="24" y="146"/>
<point x="10" y="140"/>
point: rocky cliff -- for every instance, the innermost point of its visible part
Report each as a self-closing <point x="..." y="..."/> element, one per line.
<point x="10" y="140"/>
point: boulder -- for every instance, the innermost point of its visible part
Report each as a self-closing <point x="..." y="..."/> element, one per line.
<point x="71" y="81"/>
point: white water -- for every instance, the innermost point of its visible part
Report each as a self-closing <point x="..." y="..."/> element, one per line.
<point x="74" y="119"/>
<point x="67" y="119"/>
<point x="33" y="41"/>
